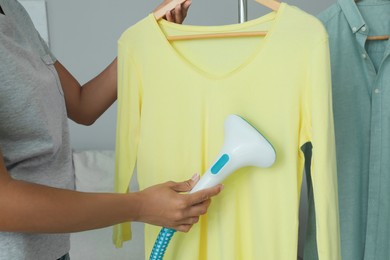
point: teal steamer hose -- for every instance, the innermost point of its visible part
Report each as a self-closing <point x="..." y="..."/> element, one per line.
<point x="243" y="146"/>
<point x="161" y="244"/>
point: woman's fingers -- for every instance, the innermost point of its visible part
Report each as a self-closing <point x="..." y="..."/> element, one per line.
<point x="187" y="185"/>
<point x="178" y="14"/>
<point x="203" y="195"/>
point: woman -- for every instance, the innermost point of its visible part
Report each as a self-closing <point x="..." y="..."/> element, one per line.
<point x="38" y="207"/>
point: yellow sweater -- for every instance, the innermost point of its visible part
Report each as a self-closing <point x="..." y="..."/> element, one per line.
<point x="173" y="98"/>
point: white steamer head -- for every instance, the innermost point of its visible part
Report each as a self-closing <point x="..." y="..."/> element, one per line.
<point x="243" y="146"/>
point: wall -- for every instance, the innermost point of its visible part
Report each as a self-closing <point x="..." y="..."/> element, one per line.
<point x="83" y="35"/>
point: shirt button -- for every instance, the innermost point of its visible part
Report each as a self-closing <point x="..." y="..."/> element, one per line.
<point x="377" y="91"/>
<point x="364" y="28"/>
<point x="354" y="29"/>
<point x="364" y="56"/>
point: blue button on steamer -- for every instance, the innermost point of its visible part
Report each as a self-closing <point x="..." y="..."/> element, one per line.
<point x="220" y="163"/>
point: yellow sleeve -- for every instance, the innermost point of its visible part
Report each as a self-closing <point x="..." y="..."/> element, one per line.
<point x="323" y="164"/>
<point x="127" y="133"/>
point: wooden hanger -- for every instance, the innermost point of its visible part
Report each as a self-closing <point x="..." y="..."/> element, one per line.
<point x="160" y="12"/>
<point x="271" y="4"/>
<point x="376" y="37"/>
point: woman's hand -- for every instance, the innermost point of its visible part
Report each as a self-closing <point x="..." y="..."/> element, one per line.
<point x="32" y="208"/>
<point x="178" y="14"/>
<point x="163" y="205"/>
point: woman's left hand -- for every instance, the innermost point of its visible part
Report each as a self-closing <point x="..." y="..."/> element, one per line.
<point x="178" y="14"/>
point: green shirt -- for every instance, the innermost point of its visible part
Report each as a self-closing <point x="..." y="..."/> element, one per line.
<point x="361" y="102"/>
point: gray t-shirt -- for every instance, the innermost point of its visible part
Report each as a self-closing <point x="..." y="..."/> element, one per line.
<point x="34" y="136"/>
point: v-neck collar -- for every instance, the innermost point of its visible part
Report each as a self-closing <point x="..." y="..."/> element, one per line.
<point x="275" y="16"/>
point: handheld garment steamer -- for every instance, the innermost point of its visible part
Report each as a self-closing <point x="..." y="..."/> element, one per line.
<point x="244" y="146"/>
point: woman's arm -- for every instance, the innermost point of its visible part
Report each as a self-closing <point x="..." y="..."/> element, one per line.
<point x="85" y="104"/>
<point x="32" y="208"/>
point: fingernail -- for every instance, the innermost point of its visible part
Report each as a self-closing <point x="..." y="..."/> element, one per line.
<point x="195" y="177"/>
<point x="222" y="187"/>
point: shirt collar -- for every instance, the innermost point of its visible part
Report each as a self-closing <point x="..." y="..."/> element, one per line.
<point x="352" y="13"/>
